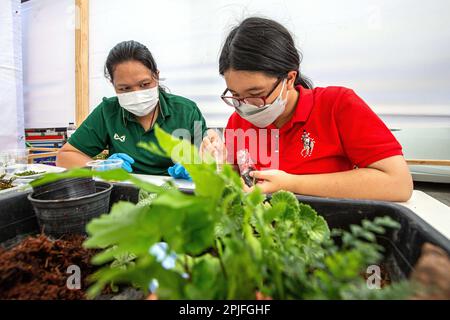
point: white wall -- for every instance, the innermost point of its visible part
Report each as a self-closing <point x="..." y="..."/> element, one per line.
<point x="49" y="62"/>
<point x="395" y="54"/>
<point x="11" y="103"/>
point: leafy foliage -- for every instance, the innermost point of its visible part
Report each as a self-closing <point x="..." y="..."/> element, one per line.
<point x="228" y="244"/>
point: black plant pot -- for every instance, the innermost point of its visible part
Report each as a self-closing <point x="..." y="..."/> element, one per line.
<point x="65" y="189"/>
<point x="59" y="214"/>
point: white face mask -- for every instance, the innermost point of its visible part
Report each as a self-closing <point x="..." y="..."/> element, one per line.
<point x="139" y="103"/>
<point x="265" y="115"/>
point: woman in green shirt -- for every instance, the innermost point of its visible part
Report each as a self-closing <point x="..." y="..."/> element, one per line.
<point x="120" y="123"/>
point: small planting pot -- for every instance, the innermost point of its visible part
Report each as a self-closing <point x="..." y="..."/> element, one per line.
<point x="65" y="189"/>
<point x="58" y="214"/>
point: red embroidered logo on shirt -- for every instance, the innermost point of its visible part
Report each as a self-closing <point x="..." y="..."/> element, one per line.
<point x="308" y="144"/>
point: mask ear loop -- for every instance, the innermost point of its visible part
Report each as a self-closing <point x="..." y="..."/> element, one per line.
<point x="153" y="116"/>
<point x="287" y="91"/>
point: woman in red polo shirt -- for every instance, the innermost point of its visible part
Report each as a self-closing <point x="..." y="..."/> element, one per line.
<point x="312" y="141"/>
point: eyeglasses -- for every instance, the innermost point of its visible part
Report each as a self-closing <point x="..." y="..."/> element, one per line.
<point x="255" y="101"/>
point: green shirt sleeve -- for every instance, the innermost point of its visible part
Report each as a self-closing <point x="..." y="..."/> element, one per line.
<point x="91" y="137"/>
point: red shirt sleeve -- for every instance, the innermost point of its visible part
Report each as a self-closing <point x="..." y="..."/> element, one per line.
<point x="365" y="138"/>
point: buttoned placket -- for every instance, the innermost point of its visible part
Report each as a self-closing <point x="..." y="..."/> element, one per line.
<point x="277" y="142"/>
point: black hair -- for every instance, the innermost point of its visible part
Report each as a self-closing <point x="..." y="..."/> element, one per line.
<point x="129" y="51"/>
<point x="259" y="44"/>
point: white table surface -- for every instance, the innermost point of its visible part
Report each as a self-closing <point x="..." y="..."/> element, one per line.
<point x="159" y="180"/>
<point x="434" y="212"/>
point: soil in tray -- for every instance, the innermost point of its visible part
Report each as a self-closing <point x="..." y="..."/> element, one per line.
<point x="36" y="268"/>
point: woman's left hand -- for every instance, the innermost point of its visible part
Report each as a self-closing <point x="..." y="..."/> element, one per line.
<point x="272" y="180"/>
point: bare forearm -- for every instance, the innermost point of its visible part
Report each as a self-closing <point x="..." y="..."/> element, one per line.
<point x="71" y="159"/>
<point x="363" y="183"/>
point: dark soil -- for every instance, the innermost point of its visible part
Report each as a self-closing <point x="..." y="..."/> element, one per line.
<point x="432" y="271"/>
<point x="36" y="268"/>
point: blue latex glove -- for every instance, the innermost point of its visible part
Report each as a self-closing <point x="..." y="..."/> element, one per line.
<point x="127" y="160"/>
<point x="179" y="172"/>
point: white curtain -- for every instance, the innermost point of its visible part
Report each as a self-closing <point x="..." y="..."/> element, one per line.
<point x="48" y="31"/>
<point x="394" y="54"/>
<point x="11" y="89"/>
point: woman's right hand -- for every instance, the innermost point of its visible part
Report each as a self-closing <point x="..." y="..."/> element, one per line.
<point x="213" y="145"/>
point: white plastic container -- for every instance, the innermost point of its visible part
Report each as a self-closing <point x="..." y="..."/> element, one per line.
<point x="105" y="165"/>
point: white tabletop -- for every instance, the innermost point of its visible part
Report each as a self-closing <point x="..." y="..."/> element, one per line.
<point x="434" y="212"/>
<point x="159" y="180"/>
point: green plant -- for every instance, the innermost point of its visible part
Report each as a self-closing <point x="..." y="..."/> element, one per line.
<point x="102" y="155"/>
<point x="6" y="183"/>
<point x="226" y="244"/>
<point x="27" y="173"/>
<point x="122" y="261"/>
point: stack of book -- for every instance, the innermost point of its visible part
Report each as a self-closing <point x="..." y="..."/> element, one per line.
<point x="45" y="138"/>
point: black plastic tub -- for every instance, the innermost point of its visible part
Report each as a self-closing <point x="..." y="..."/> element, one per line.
<point x="402" y="247"/>
<point x="61" y="212"/>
